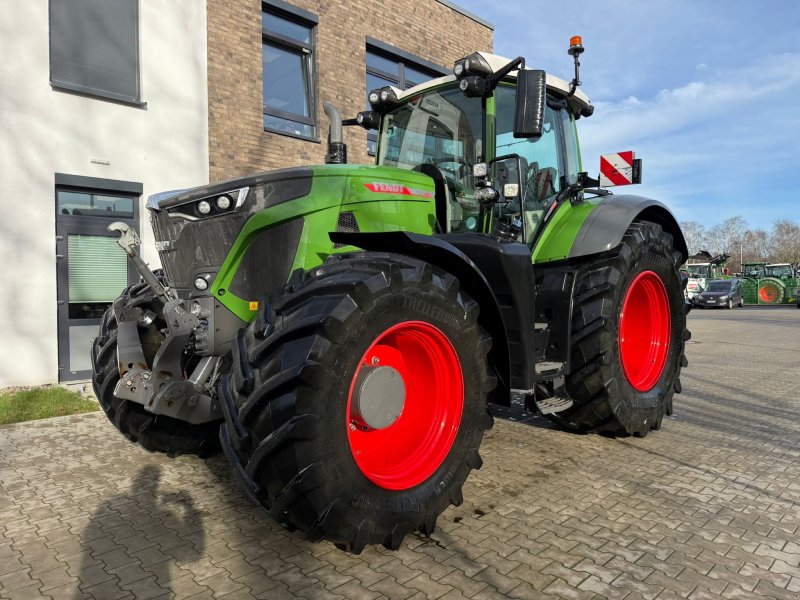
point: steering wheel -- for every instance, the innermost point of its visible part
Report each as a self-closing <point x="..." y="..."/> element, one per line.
<point x="461" y="169"/>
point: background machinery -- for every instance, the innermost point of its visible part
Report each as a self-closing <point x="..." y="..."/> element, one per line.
<point x="701" y="268"/>
<point x="775" y="283"/>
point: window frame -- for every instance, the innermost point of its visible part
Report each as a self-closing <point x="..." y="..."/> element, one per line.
<point x="97" y="92"/>
<point x="308" y="56"/>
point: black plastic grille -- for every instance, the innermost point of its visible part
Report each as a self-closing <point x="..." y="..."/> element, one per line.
<point x="187" y="247"/>
<point x="266" y="263"/>
<point x="347" y="223"/>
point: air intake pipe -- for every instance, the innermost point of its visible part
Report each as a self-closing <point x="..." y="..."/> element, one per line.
<point x="337" y="149"/>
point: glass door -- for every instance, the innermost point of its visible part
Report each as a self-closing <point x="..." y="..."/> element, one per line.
<point x="92" y="270"/>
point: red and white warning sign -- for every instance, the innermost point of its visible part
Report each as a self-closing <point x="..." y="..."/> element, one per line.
<point x="620" y="168"/>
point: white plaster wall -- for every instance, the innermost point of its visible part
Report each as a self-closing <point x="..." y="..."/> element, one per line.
<point x="44" y="131"/>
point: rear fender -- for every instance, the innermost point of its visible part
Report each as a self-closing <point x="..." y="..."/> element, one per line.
<point x="444" y="255"/>
<point x="605" y="225"/>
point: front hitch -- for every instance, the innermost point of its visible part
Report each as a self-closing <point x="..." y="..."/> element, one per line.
<point x="129" y="242"/>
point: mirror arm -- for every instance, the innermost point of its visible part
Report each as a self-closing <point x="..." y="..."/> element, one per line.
<point x="590" y="184"/>
<point x="493" y="80"/>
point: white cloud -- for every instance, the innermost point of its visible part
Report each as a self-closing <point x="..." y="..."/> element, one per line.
<point x="705" y="92"/>
<point x="712" y="148"/>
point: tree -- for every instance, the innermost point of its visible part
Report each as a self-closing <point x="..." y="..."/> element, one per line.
<point x="755" y="248"/>
<point x="695" y="235"/>
<point x="784" y="243"/>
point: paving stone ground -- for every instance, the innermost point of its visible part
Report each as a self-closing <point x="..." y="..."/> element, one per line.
<point x="709" y="507"/>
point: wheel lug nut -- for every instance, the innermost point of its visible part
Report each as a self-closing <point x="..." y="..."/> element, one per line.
<point x="375" y="360"/>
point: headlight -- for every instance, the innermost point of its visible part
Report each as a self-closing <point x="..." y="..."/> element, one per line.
<point x="209" y="207"/>
<point x="725" y="297"/>
<point x="383" y="98"/>
<point x="473" y="86"/>
<point x="474" y="64"/>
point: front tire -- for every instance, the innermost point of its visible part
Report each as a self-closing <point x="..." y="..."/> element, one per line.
<point x="628" y="336"/>
<point x="156" y="433"/>
<point x="313" y="457"/>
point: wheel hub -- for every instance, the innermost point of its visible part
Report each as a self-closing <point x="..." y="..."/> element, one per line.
<point x="378" y="398"/>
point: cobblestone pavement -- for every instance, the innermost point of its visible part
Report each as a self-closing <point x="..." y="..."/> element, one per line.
<point x="708" y="507"/>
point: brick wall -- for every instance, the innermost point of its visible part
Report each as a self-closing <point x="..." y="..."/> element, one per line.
<point x="238" y="143"/>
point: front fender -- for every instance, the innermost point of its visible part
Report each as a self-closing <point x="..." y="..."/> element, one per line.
<point x="446" y="256"/>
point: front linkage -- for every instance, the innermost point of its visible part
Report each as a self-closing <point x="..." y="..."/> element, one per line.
<point x="157" y="382"/>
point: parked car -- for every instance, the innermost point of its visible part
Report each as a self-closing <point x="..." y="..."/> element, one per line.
<point x="725" y="293"/>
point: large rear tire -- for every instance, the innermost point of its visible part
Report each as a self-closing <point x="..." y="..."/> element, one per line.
<point x="771" y="290"/>
<point x="156" y="433"/>
<point x="305" y="371"/>
<point x="628" y="336"/>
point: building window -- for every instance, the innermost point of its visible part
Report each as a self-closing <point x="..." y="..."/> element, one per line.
<point x="390" y="66"/>
<point x="94" y="48"/>
<point x="288" y="66"/>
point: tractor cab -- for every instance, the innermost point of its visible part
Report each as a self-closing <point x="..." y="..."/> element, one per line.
<point x="780" y="271"/>
<point x="498" y="140"/>
<point x="754" y="270"/>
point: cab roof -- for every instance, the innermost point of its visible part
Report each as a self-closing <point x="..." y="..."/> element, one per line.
<point x="578" y="101"/>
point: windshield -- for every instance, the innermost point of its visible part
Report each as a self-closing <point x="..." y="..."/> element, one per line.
<point x="779" y="271"/>
<point x="718" y="286"/>
<point x="443" y="128"/>
<point x="753" y="270"/>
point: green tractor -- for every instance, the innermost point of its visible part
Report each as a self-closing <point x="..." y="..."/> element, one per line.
<point x="775" y="283"/>
<point x="340" y="330"/>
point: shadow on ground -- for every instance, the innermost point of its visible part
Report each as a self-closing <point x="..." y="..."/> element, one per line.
<point x="146" y="521"/>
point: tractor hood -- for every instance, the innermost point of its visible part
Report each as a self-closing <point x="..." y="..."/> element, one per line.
<point x="366" y="182"/>
<point x="197" y="229"/>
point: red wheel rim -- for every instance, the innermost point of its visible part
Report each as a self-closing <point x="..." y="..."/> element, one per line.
<point x="768" y="293"/>
<point x="644" y="331"/>
<point x="408" y="451"/>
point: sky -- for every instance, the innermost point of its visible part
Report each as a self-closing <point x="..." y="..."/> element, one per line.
<point x="706" y="92"/>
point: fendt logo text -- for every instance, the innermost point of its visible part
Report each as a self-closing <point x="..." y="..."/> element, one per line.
<point x="383" y="187"/>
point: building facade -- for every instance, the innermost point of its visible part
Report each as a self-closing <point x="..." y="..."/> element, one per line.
<point x="104" y="103"/>
<point x="101" y="104"/>
<point x="272" y="65"/>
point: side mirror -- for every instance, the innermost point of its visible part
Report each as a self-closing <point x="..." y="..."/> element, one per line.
<point x="530" y="101"/>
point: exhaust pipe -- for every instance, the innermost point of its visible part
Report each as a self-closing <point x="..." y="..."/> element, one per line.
<point x="337" y="149"/>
